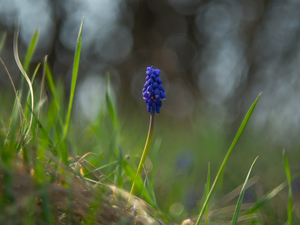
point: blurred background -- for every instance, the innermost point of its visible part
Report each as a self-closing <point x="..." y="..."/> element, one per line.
<point x="215" y="56"/>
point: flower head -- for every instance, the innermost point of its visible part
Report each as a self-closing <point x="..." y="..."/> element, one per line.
<point x="153" y="91"/>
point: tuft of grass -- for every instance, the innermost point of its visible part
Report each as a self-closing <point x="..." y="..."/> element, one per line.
<point x="237" y="136"/>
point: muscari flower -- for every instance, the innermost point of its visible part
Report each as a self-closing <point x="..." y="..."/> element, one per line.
<point x="153" y="91"/>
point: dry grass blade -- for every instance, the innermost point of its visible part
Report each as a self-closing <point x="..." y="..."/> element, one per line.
<point x="94" y="174"/>
<point x="16" y="55"/>
<point x="12" y="83"/>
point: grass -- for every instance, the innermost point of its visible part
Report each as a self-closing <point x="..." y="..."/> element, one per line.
<point x="55" y="171"/>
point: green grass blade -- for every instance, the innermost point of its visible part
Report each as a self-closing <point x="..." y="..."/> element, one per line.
<point x="31" y="49"/>
<point x="237" y="136"/>
<point x="28" y="95"/>
<point x="240" y="199"/>
<point x="207" y="191"/>
<point x="50" y="81"/>
<point x="110" y="105"/>
<point x="2" y="41"/>
<point x="35" y="72"/>
<point x="64" y="153"/>
<point x="74" y="78"/>
<point x="16" y="55"/>
<point x="270" y="195"/>
<point x="288" y="177"/>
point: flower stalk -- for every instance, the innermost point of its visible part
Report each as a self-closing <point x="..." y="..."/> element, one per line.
<point x="145" y="152"/>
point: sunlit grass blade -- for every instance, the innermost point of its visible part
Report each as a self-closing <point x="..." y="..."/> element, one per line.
<point x="31" y="49"/>
<point x="72" y="92"/>
<point x="270" y="195"/>
<point x="74" y="79"/>
<point x="288" y="177"/>
<point x="237" y="136"/>
<point x="240" y="199"/>
<point x="16" y="55"/>
<point x="207" y="190"/>
<point x="2" y="41"/>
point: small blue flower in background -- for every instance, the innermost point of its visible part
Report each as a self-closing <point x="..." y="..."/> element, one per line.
<point x="153" y="91"/>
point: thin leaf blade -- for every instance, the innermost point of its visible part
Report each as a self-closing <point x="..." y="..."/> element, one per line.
<point x="290" y="195"/>
<point x="31" y="50"/>
<point x="74" y="78"/>
<point x="241" y="197"/>
<point x="207" y="191"/>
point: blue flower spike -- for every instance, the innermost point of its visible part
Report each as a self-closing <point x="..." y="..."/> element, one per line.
<point x="153" y="91"/>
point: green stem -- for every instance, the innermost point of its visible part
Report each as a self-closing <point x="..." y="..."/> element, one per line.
<point x="146" y="148"/>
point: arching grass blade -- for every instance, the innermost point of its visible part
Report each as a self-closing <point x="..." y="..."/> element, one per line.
<point x="240" y="199"/>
